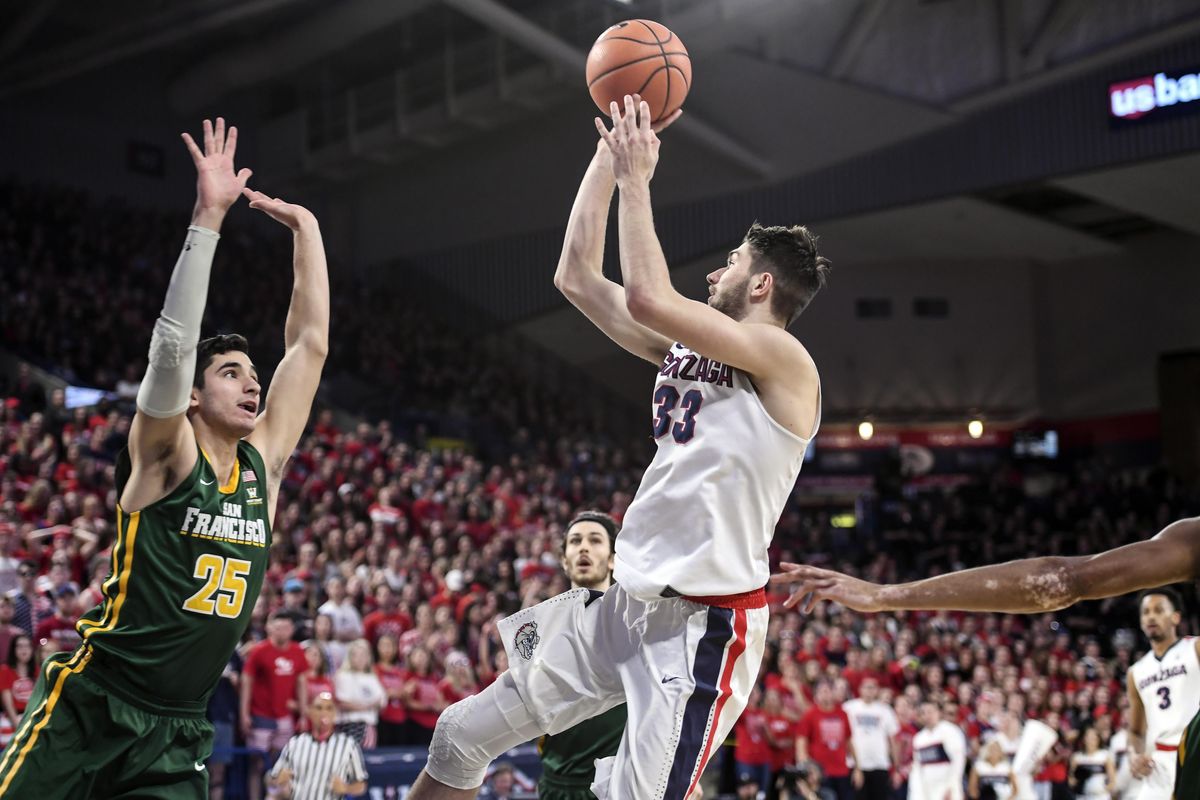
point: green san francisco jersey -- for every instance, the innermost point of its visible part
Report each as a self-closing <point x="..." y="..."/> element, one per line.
<point x="1187" y="771"/>
<point x="568" y="758"/>
<point x="186" y="572"/>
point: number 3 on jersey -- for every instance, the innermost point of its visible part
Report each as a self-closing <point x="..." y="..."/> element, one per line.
<point x="223" y="577"/>
<point x="666" y="398"/>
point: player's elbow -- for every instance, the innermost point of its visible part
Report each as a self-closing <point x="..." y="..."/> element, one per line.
<point x="567" y="287"/>
<point x="643" y="306"/>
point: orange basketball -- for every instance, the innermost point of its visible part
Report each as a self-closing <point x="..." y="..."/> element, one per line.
<point x="639" y="56"/>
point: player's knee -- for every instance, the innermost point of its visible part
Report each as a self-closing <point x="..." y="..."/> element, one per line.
<point x="456" y="755"/>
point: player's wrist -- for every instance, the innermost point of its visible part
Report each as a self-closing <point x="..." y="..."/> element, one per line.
<point x="209" y="217"/>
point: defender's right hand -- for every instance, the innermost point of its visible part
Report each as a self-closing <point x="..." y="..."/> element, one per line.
<point x="217" y="185"/>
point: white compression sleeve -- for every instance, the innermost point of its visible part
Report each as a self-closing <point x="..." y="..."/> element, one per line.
<point x="168" y="383"/>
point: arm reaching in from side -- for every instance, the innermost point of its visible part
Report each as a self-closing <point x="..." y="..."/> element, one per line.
<point x="1027" y="586"/>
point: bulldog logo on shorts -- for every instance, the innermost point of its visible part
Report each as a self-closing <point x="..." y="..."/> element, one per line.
<point x="526" y="639"/>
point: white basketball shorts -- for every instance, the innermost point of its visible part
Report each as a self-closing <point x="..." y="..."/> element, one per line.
<point x="684" y="669"/>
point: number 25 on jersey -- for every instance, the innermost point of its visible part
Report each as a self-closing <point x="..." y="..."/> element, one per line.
<point x="224" y="589"/>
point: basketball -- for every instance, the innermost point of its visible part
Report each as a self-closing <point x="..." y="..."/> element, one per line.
<point x="639" y="56"/>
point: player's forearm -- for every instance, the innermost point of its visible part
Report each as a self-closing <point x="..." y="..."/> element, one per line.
<point x="643" y="266"/>
<point x="1137" y="742"/>
<point x="1030" y="585"/>
<point x="582" y="256"/>
<point x="308" y="315"/>
<point x="166" y="388"/>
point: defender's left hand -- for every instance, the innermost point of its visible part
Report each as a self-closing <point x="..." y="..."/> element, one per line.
<point x="632" y="142"/>
<point x="289" y="214"/>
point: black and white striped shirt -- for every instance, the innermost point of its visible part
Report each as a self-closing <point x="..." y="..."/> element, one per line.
<point x="314" y="764"/>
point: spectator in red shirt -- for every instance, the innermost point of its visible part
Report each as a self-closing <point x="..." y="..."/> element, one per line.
<point x="422" y="698"/>
<point x="386" y="620"/>
<point x="824" y="735"/>
<point x="752" y="751"/>
<point x="781" y="733"/>
<point x="459" y="682"/>
<point x="392" y="717"/>
<point x="318" y="677"/>
<point x="59" y="628"/>
<point x="273" y="692"/>
<point x="17" y="677"/>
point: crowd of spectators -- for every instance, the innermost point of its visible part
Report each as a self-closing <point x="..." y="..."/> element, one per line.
<point x="84" y="280"/>
<point x="392" y="559"/>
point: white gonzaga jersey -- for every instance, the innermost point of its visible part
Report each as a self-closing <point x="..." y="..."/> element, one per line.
<point x="1170" y="691"/>
<point x="708" y="504"/>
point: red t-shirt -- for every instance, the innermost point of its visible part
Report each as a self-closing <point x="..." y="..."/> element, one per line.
<point x="783" y="731"/>
<point x="427" y="692"/>
<point x="274" y="672"/>
<point x="452" y="695"/>
<point x="316" y="684"/>
<point x="827" y="732"/>
<point x="380" y="623"/>
<point x="752" y="747"/>
<point x="392" y="679"/>
<point x="60" y="631"/>
<point x="21" y="688"/>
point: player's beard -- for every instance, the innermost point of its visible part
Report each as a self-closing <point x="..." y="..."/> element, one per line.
<point x="732" y="301"/>
<point x="594" y="579"/>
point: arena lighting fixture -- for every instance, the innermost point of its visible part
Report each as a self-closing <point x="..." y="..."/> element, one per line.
<point x="866" y="429"/>
<point x="975" y="428"/>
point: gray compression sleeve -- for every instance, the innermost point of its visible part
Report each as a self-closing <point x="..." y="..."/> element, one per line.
<point x="166" y="389"/>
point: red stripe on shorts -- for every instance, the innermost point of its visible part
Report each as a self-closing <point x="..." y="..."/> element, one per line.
<point x="736" y="648"/>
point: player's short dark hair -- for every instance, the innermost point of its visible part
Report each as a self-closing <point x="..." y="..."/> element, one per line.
<point x="790" y="255"/>
<point x="1164" y="591"/>
<point x="213" y="346"/>
<point x="606" y="521"/>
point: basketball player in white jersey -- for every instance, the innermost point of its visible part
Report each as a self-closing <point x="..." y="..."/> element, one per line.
<point x="680" y="636"/>
<point x="1164" y="694"/>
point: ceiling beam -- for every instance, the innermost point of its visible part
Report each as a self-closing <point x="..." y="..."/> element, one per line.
<point x="1009" y="19"/>
<point x="1060" y="17"/>
<point x="858" y="31"/>
<point x="314" y="38"/>
<point x="138" y="36"/>
<point x="1118" y="52"/>
<point x="544" y="43"/>
<point x="25" y="26"/>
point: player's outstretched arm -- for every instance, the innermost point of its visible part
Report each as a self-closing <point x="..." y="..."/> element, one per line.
<point x="162" y="446"/>
<point x="305" y="337"/>
<point x="580" y="273"/>
<point x="1028" y="586"/>
<point x="764" y="351"/>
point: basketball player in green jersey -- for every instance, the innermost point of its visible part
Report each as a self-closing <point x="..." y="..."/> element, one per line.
<point x="123" y="715"/>
<point x="1030" y="586"/>
<point x="568" y="758"/>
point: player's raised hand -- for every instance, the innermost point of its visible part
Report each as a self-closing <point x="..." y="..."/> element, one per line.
<point x="290" y="214"/>
<point x="814" y="584"/>
<point x="632" y="142"/>
<point x="218" y="186"/>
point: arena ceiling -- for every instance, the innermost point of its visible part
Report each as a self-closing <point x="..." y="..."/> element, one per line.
<point x="397" y="92"/>
<point x="781" y="86"/>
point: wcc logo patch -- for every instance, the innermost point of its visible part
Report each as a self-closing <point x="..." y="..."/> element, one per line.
<point x="526" y="639"/>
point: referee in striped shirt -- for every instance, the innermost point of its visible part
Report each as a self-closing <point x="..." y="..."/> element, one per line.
<point x="322" y="765"/>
